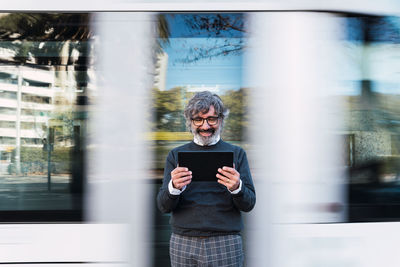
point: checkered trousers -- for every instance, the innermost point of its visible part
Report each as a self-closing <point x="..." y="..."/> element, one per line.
<point x="213" y="251"/>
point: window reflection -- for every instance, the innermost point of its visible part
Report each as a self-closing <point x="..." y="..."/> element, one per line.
<point x="197" y="52"/>
<point x="44" y="65"/>
<point x="194" y="52"/>
<point x="372" y="118"/>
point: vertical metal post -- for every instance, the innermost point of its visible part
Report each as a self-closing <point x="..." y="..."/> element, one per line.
<point x="50" y="142"/>
<point x="48" y="168"/>
<point x="18" y="124"/>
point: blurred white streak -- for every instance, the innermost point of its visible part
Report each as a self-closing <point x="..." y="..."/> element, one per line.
<point x="119" y="158"/>
<point x="359" y="6"/>
<point x="296" y="168"/>
<point x="340" y="245"/>
<point x="65" y="243"/>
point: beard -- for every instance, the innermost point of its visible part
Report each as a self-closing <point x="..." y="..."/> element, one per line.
<point x="207" y="140"/>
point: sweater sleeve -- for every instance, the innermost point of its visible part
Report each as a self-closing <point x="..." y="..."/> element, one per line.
<point x="167" y="202"/>
<point x="246" y="198"/>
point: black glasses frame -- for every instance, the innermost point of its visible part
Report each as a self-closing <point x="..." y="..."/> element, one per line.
<point x="212" y="123"/>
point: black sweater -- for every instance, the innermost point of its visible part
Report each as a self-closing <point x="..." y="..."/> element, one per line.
<point x="207" y="208"/>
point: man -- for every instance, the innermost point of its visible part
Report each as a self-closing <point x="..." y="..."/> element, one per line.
<point x="206" y="216"/>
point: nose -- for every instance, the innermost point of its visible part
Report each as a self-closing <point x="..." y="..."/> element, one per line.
<point x="205" y="125"/>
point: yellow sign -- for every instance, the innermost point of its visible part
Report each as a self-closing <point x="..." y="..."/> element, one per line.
<point x="169" y="136"/>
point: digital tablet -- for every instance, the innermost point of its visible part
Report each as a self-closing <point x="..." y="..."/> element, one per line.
<point x="204" y="165"/>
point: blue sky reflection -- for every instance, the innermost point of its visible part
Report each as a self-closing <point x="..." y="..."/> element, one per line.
<point x="222" y="72"/>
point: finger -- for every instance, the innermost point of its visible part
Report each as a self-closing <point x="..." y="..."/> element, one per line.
<point x="230" y="169"/>
<point x="179" y="170"/>
<point x="181" y="175"/>
<point x="179" y="183"/>
<point x="224" y="179"/>
<point x="183" y="179"/>
<point x="221" y="181"/>
<point x="228" y="174"/>
<point x="188" y="181"/>
<point x="229" y="185"/>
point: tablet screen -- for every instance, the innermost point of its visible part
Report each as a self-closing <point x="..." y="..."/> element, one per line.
<point x="204" y="165"/>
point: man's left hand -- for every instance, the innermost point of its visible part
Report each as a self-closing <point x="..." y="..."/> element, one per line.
<point x="229" y="177"/>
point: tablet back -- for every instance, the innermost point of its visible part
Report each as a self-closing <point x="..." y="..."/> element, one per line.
<point x="204" y="165"/>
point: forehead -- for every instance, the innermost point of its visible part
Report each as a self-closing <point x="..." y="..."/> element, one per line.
<point x="205" y="114"/>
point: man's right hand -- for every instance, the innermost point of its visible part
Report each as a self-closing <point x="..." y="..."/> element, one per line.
<point x="181" y="177"/>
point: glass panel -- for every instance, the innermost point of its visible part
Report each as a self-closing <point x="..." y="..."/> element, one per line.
<point x="44" y="62"/>
<point x="372" y="117"/>
<point x="197" y="52"/>
<point x="194" y="53"/>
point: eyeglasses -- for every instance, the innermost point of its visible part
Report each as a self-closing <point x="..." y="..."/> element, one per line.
<point x="200" y="121"/>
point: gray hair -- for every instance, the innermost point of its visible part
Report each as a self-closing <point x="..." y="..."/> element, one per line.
<point x="201" y="102"/>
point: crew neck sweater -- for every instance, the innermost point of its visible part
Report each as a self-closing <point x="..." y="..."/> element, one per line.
<point x="207" y="208"/>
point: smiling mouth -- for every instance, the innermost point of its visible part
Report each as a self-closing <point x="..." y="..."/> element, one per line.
<point x="208" y="132"/>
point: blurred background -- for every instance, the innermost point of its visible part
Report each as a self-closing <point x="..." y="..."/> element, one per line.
<point x="91" y="102"/>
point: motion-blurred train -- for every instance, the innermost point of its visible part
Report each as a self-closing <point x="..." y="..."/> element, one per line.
<point x="92" y="98"/>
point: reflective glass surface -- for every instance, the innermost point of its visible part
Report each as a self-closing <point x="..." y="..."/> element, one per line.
<point x="195" y="52"/>
<point x="44" y="65"/>
<point x="371" y="120"/>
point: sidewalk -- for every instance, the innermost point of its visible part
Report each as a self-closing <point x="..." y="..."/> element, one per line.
<point x="31" y="192"/>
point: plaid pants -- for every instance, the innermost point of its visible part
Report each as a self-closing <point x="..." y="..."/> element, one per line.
<point x="213" y="251"/>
